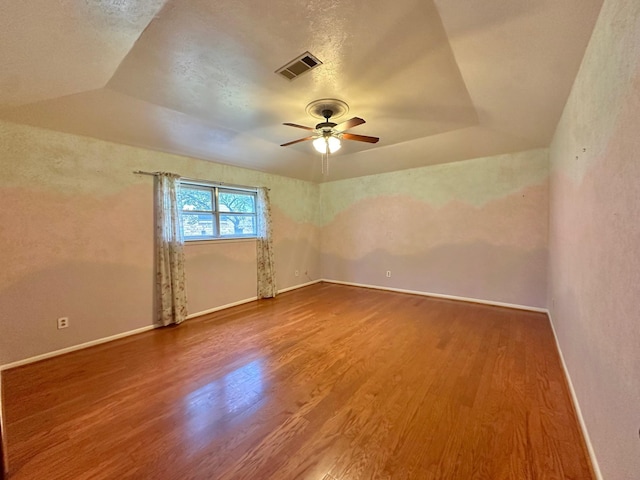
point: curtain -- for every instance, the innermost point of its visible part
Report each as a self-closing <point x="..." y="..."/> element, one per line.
<point x="266" y="267"/>
<point x="170" y="276"/>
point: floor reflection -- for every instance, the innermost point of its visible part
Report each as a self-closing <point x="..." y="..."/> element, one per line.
<point x="219" y="405"/>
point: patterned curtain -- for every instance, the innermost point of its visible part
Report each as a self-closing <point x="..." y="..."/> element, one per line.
<point x="266" y="267"/>
<point x="170" y="276"/>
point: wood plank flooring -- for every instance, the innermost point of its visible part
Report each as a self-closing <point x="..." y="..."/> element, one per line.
<point x="325" y="382"/>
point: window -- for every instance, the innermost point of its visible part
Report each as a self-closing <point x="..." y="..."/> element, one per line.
<point x="213" y="212"/>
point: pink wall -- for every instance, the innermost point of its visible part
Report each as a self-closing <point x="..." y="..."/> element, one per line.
<point x="594" y="278"/>
<point x="73" y="254"/>
<point x="77" y="240"/>
<point x="475" y="229"/>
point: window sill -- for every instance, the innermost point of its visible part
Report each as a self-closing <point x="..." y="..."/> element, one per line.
<point x="220" y="240"/>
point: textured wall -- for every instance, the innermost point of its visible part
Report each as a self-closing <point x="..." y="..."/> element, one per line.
<point x="474" y="229"/>
<point x="76" y="239"/>
<point x="595" y="238"/>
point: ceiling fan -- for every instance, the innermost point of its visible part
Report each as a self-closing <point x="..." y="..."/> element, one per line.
<point x="327" y="135"/>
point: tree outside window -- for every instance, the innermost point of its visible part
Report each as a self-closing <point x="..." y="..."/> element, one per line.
<point x="211" y="212"/>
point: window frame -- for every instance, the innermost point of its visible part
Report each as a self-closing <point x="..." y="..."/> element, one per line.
<point x="215" y="189"/>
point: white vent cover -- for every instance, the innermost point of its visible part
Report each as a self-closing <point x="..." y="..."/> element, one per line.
<point x="300" y="65"/>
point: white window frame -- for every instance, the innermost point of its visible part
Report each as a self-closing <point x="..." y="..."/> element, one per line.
<point x="215" y="189"/>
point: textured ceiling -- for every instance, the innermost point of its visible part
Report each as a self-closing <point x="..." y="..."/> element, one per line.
<point x="437" y="81"/>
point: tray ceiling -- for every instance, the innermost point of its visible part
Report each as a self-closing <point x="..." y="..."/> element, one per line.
<point x="437" y="81"/>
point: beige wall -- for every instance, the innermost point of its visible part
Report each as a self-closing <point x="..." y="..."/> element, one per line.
<point x="77" y="239"/>
<point x="475" y="229"/>
<point x="594" y="281"/>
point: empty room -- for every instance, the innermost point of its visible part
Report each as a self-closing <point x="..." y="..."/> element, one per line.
<point x="320" y="240"/>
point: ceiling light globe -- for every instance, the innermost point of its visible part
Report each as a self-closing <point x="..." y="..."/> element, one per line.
<point x="334" y="144"/>
<point x="321" y="144"/>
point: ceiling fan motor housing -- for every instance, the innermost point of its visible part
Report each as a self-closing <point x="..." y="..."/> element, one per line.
<point x="326" y="124"/>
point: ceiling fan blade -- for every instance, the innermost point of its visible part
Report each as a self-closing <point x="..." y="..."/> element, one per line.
<point x="360" y="138"/>
<point x="346" y="125"/>
<point x="297" y="141"/>
<point x="298" y="126"/>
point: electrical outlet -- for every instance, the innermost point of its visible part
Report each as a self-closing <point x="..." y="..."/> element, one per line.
<point x="388" y="273"/>
<point x="297" y="273"/>
<point x="63" y="322"/>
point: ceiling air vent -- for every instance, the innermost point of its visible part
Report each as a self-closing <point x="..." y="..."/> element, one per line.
<point x="300" y="65"/>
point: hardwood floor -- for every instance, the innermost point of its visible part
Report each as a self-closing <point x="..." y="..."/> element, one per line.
<point x="325" y="382"/>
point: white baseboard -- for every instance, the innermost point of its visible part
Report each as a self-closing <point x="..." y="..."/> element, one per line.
<point x="439" y="295"/>
<point x="295" y="287"/>
<point x="221" y="307"/>
<point x="73" y="348"/>
<point x="246" y="300"/>
<point x="576" y="405"/>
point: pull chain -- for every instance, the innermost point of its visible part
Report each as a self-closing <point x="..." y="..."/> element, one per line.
<point x="325" y="163"/>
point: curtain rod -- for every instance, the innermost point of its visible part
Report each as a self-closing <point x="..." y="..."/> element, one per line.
<point x="230" y="185"/>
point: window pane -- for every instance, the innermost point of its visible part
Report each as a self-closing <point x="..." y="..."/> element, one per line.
<point x="237" y="225"/>
<point x="197" y="225"/>
<point x="195" y="199"/>
<point x="236" y="202"/>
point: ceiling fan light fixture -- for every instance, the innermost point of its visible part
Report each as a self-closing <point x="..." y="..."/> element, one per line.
<point x="327" y="143"/>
